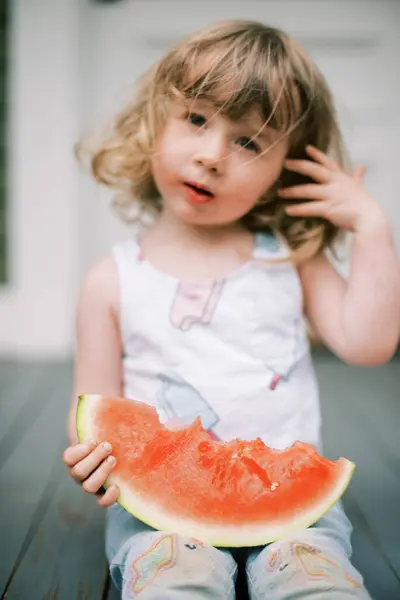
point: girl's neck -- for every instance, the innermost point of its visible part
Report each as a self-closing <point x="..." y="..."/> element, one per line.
<point x="195" y="253"/>
<point x="169" y="229"/>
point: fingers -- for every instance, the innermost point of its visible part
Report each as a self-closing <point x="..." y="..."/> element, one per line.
<point x="74" y="454"/>
<point x="91" y="466"/>
<point x="99" y="476"/>
<point x="109" y="497"/>
<point x="322" y="158"/>
<point x="308" y="191"/>
<point x="310" y="168"/>
<point x="86" y="466"/>
<point x="80" y="468"/>
<point x="307" y="209"/>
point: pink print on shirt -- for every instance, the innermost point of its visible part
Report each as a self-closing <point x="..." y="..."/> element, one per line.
<point x="195" y="303"/>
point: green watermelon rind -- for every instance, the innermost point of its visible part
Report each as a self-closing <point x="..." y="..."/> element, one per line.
<point x="214" y="534"/>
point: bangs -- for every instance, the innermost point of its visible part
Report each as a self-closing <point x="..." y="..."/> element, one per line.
<point x="239" y="75"/>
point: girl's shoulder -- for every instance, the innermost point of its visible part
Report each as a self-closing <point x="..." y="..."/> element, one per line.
<point x="100" y="285"/>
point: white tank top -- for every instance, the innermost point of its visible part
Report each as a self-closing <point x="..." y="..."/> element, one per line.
<point x="233" y="350"/>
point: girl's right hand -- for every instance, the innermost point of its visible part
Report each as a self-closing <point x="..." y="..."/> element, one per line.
<point x="90" y="465"/>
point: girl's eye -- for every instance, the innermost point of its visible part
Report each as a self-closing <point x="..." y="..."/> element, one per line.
<point x="248" y="143"/>
<point x="196" y="119"/>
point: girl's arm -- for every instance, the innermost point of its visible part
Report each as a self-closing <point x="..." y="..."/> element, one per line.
<point x="359" y="319"/>
<point x="98" y="367"/>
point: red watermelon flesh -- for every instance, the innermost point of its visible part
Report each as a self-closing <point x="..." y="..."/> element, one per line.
<point x="236" y="493"/>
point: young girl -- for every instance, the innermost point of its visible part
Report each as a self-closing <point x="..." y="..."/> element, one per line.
<point x="233" y="145"/>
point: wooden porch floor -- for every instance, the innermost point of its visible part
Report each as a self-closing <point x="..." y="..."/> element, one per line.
<point x="51" y="534"/>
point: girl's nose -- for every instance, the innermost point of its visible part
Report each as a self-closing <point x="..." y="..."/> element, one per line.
<point x="211" y="152"/>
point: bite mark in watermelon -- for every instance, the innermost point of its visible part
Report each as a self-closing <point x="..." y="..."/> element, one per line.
<point x="232" y="494"/>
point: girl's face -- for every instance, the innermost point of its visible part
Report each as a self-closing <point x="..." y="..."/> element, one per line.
<point x="211" y="170"/>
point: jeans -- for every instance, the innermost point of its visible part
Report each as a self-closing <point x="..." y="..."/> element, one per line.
<point x="154" y="565"/>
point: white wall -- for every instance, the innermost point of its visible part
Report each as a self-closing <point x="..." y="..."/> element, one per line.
<point x="36" y="308"/>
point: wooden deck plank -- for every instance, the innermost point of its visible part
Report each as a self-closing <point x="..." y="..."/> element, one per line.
<point x="373" y="395"/>
<point x="17" y="384"/>
<point x="40" y="540"/>
<point x="29" y="396"/>
<point x="29" y="474"/>
<point x="59" y="544"/>
<point x="375" y="486"/>
<point x="66" y="557"/>
<point x="380" y="580"/>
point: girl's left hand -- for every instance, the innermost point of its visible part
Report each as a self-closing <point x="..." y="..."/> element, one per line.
<point x="337" y="196"/>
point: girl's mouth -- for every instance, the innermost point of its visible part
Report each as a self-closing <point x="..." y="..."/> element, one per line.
<point x="197" y="193"/>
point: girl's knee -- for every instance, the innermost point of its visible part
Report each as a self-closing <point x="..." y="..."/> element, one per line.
<point x="290" y="567"/>
<point x="154" y="559"/>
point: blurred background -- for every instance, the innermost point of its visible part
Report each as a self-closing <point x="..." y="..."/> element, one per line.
<point x="71" y="63"/>
<point x="66" y="66"/>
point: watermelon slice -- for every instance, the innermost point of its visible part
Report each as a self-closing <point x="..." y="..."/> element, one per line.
<point x="233" y="494"/>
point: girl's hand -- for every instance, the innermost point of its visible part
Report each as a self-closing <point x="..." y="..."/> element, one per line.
<point x="90" y="465"/>
<point x="336" y="196"/>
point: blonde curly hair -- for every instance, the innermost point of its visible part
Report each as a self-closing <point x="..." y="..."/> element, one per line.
<point x="236" y="65"/>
